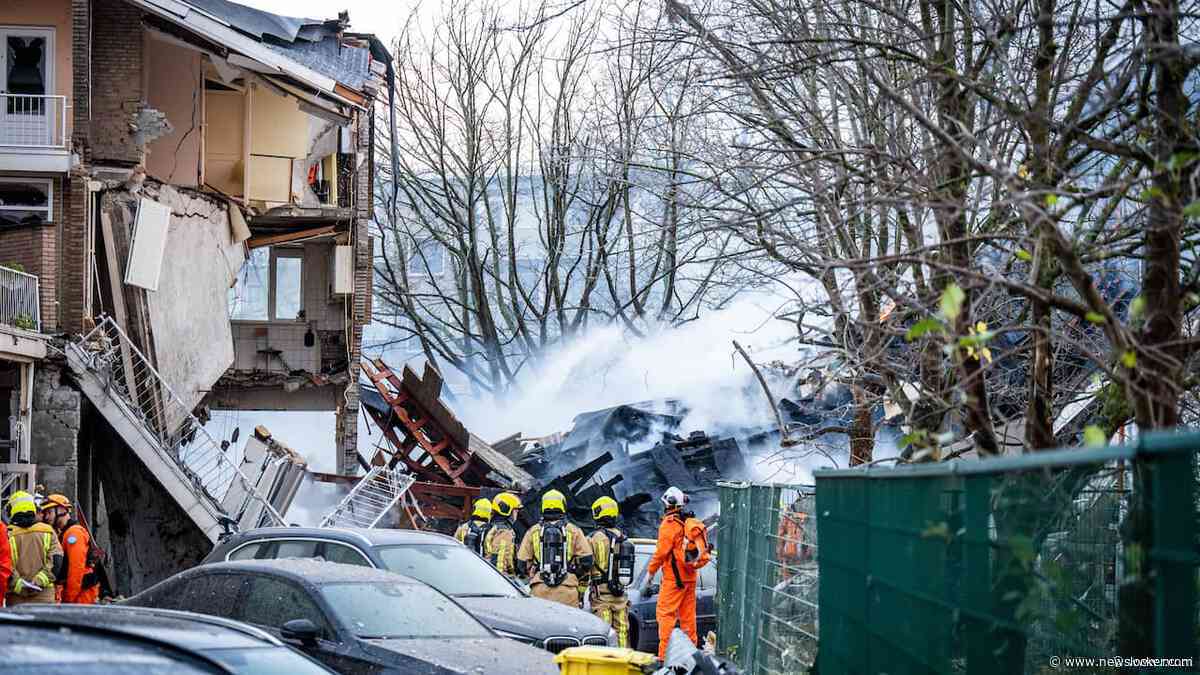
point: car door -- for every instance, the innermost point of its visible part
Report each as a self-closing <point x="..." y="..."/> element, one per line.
<point x="706" y="600"/>
<point x="270" y="602"/>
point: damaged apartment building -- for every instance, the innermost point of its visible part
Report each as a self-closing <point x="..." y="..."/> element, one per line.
<point x="185" y="191"/>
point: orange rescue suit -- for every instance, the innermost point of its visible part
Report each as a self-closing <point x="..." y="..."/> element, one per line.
<point x="80" y="586"/>
<point x="677" y="595"/>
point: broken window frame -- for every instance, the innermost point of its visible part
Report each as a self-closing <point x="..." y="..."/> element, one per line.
<point x="32" y="180"/>
<point x="272" y="315"/>
<point x="46" y="33"/>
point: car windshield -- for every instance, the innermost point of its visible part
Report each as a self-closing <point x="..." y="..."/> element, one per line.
<point x="387" y="610"/>
<point x="264" y="661"/>
<point x="641" y="560"/>
<point x="452" y="569"/>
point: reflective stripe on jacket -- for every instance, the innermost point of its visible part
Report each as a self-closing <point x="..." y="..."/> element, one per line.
<point x="33" y="551"/>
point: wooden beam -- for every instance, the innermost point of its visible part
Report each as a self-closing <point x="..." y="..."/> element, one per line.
<point x="287" y="237"/>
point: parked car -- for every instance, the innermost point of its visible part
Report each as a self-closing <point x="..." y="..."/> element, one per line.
<point x="351" y="618"/>
<point x="86" y="639"/>
<point x="441" y="562"/>
<point x="643" y="597"/>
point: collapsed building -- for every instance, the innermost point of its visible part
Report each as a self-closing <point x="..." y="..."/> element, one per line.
<point x="185" y="192"/>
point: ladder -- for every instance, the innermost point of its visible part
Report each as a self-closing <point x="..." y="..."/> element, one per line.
<point x="371" y="499"/>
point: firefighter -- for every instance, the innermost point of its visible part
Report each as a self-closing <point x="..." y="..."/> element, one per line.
<point x="36" y="554"/>
<point x="677" y="594"/>
<point x="501" y="543"/>
<point x="5" y="561"/>
<point x="555" y="553"/>
<point x="78" y="583"/>
<point x="613" y="554"/>
<point x="474" y="532"/>
<point x="791" y="549"/>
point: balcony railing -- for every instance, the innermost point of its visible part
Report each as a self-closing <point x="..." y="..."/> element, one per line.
<point x="28" y="121"/>
<point x="19" y="300"/>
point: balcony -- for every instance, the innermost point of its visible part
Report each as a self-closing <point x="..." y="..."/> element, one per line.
<point x="33" y="133"/>
<point x="20" y="316"/>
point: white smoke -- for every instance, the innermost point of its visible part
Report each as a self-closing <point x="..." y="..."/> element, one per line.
<point x="694" y="363"/>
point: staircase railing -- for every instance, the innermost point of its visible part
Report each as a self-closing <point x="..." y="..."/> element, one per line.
<point x="146" y="400"/>
<point x="370" y="499"/>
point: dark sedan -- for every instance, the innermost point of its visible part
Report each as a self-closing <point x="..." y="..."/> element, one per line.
<point x="643" y="597"/>
<point x="352" y="618"/>
<point x="441" y="562"/>
<point x="85" y="639"/>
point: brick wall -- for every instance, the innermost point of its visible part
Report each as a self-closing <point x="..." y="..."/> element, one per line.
<point x="73" y="255"/>
<point x="33" y="248"/>
<point x="81" y="54"/>
<point x="117" y="92"/>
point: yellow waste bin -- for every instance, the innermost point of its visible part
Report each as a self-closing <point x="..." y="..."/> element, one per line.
<point x="605" y="661"/>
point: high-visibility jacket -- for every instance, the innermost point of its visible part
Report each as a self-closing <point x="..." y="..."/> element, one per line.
<point x="500" y="547"/>
<point x="575" y="542"/>
<point x="670" y="537"/>
<point x="602" y="556"/>
<point x="791" y="544"/>
<point x="5" y="561"/>
<point x="33" y="551"/>
<point x="79" y="584"/>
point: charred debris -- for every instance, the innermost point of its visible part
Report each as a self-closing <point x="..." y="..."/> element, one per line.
<point x="630" y="452"/>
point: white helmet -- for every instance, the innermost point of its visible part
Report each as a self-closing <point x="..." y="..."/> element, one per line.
<point x="674" y="497"/>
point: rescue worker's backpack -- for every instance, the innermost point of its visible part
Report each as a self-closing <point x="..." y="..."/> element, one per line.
<point x="552" y="564"/>
<point x="619" y="574"/>
<point x="696" y="549"/>
<point x="474" y="536"/>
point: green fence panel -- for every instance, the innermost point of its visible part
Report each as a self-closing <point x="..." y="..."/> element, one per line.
<point x="996" y="566"/>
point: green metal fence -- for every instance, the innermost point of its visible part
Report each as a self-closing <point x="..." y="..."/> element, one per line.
<point x="1011" y="565"/>
<point x="981" y="566"/>
<point x="767" y="574"/>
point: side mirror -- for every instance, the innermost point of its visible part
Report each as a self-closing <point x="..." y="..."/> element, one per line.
<point x="303" y="631"/>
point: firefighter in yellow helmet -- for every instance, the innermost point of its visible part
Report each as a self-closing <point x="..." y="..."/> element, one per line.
<point x="501" y="544"/>
<point x="37" y="555"/>
<point x="612" y="569"/>
<point x="555" y="553"/>
<point x="474" y="532"/>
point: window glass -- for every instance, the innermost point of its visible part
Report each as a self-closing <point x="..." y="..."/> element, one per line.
<point x="24" y="202"/>
<point x="383" y="610"/>
<point x="296" y="549"/>
<point x="246" y="552"/>
<point x="265" y="661"/>
<point x="347" y="555"/>
<point x="249" y="297"/>
<point x="289" y="300"/>
<point x="452" y="569"/>
<point x="271" y="603"/>
<point x="708" y="575"/>
<point x="26" y="68"/>
<point x="428" y="258"/>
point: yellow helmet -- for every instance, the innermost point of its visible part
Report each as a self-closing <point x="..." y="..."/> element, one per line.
<point x="482" y="509"/>
<point x="21" y="502"/>
<point x="505" y="503"/>
<point x="605" y="507"/>
<point x="554" y="500"/>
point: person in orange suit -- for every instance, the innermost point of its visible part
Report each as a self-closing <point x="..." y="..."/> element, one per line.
<point x="78" y="584"/>
<point x="5" y="561"/>
<point x="791" y="549"/>
<point x="677" y="594"/>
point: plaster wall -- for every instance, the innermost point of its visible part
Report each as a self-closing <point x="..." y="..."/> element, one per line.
<point x="174" y="84"/>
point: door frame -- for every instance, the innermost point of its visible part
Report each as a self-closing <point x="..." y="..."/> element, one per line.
<point x="47" y="32"/>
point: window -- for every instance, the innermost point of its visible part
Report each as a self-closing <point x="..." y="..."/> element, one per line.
<point x="26" y="74"/>
<point x="25" y="201"/>
<point x="247" y="552"/>
<point x="708" y="575"/>
<point x="428" y="258"/>
<point x="296" y="549"/>
<point x="397" y="610"/>
<point x="347" y="555"/>
<point x="270" y="286"/>
<point x="453" y="570"/>
<point x="272" y="603"/>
